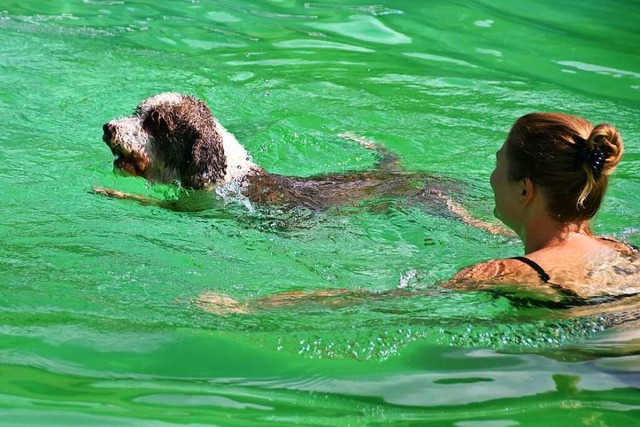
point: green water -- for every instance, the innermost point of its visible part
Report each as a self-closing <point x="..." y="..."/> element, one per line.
<point x="97" y="323"/>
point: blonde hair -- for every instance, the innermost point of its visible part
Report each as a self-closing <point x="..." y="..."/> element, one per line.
<point x="605" y="138"/>
<point x="569" y="158"/>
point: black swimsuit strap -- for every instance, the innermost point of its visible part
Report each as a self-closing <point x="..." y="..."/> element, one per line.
<point x="569" y="293"/>
<point x="606" y="239"/>
<point x="541" y="273"/>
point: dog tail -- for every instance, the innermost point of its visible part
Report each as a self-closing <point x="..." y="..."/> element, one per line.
<point x="387" y="161"/>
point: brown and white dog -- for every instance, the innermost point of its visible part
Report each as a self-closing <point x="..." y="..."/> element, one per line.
<point x="174" y="138"/>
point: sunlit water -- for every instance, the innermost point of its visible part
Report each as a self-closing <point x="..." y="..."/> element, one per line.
<point x="97" y="322"/>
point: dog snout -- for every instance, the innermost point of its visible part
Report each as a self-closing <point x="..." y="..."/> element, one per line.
<point x="108" y="129"/>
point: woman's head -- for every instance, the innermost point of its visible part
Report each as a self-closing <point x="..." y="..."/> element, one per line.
<point x="568" y="158"/>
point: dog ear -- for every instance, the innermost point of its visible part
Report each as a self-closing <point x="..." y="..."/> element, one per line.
<point x="208" y="164"/>
<point x="160" y="122"/>
<point x="156" y="119"/>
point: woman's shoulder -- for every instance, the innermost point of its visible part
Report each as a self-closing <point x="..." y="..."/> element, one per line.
<point x="620" y="247"/>
<point x="508" y="270"/>
<point x="605" y="267"/>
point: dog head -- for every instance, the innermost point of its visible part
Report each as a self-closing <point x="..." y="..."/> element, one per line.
<point x="170" y="137"/>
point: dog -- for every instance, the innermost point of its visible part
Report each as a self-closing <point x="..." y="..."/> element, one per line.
<point x="174" y="138"/>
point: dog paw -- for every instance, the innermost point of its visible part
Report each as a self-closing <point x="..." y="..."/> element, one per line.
<point x="367" y="143"/>
<point x="109" y="192"/>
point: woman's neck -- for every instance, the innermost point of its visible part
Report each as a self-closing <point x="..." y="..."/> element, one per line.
<point x="548" y="233"/>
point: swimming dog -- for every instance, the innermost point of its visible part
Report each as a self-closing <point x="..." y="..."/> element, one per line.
<point x="174" y="138"/>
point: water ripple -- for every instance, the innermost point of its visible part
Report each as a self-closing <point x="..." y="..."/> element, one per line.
<point x="364" y="28"/>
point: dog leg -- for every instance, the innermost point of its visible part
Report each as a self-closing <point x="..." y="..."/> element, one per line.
<point x="466" y="217"/>
<point x="143" y="200"/>
<point x="197" y="201"/>
<point x="388" y="161"/>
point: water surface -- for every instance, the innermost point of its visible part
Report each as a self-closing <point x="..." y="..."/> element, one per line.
<point x="97" y="320"/>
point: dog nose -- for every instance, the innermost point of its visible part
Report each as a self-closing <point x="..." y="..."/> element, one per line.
<point x="107" y="128"/>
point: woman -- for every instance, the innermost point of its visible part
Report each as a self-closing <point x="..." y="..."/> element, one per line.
<point x="550" y="178"/>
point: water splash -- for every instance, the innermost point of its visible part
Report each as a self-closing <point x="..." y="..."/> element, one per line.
<point x="231" y="192"/>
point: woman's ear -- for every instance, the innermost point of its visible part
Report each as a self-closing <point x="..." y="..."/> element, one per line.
<point x="527" y="191"/>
